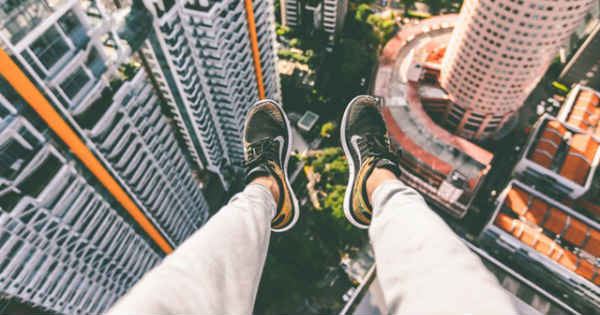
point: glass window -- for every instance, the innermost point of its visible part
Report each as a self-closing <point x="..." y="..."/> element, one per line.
<point x="71" y="26"/>
<point x="95" y="63"/>
<point x="69" y="22"/>
<point x="41" y="176"/>
<point x="19" y="17"/>
<point x="74" y="83"/>
<point x="49" y="47"/>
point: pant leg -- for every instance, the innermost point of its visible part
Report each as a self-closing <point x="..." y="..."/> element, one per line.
<point x="217" y="269"/>
<point x="422" y="266"/>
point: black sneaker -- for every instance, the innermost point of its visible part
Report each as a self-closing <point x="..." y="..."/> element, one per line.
<point x="367" y="146"/>
<point x="267" y="147"/>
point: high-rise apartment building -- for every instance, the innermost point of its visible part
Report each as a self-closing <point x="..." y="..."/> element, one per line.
<point x="212" y="60"/>
<point x="326" y="15"/>
<point x="499" y="51"/>
<point x="69" y="239"/>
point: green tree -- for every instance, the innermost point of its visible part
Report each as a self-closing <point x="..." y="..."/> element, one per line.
<point x="335" y="201"/>
<point x="374" y="20"/>
<point x="362" y="12"/>
<point x="328" y="156"/>
<point x="388" y="30"/>
<point x="435" y="6"/>
<point x="282" y="30"/>
<point x="384" y="28"/>
<point x="128" y="70"/>
<point x="328" y="129"/>
<point x="408" y="5"/>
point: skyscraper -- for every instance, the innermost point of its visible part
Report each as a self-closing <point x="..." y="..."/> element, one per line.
<point x="326" y="15"/>
<point x="212" y="61"/>
<point x="94" y="187"/>
<point x="499" y="51"/>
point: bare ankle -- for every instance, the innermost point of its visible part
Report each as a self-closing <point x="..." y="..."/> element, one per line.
<point x="270" y="183"/>
<point x="376" y="178"/>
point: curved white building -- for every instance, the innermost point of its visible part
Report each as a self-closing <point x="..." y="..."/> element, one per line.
<point x="499" y="51"/>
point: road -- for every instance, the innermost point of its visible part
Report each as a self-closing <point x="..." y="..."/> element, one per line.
<point x="299" y="143"/>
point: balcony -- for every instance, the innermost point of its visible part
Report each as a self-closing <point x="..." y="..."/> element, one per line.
<point x="21" y="18"/>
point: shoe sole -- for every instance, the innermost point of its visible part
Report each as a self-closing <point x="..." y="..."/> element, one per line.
<point x="351" y="161"/>
<point x="296" y="208"/>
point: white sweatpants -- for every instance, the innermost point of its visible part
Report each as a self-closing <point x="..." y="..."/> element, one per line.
<point x="422" y="266"/>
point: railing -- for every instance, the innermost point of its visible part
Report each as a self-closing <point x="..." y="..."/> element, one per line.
<point x="359" y="292"/>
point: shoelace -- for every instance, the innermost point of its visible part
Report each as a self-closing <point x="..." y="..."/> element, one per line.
<point x="376" y="146"/>
<point x="261" y="152"/>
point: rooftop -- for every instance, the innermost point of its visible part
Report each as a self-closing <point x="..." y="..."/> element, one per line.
<point x="409" y="124"/>
<point x="569" y="154"/>
<point x="413" y="134"/>
<point x="432" y="92"/>
<point x="308" y="121"/>
<point x="582" y="110"/>
<point x="444" y="167"/>
<point x="567" y="243"/>
<point x="561" y="157"/>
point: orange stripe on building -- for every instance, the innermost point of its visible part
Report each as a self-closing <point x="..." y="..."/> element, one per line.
<point x="254" y="44"/>
<point x="13" y="74"/>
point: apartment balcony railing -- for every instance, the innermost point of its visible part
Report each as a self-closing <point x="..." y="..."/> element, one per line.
<point x="18" y="18"/>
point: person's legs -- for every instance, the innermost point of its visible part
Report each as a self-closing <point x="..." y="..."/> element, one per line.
<point x="422" y="266"/>
<point x="217" y="270"/>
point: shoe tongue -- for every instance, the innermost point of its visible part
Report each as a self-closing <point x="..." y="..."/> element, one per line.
<point x="388" y="165"/>
<point x="257" y="171"/>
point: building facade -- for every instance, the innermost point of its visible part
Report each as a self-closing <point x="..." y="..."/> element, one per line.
<point x="326" y="15"/>
<point x="546" y="221"/>
<point x="68" y="243"/>
<point x="201" y="55"/>
<point x="447" y="170"/>
<point x="499" y="51"/>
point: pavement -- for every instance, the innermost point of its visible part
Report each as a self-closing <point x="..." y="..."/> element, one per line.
<point x="372" y="303"/>
<point x="299" y="143"/>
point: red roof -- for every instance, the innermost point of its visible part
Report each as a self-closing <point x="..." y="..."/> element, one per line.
<point x="579" y="158"/>
<point x="552" y="219"/>
<point x="476" y="152"/>
<point x="585" y="113"/>
<point x="415" y="150"/>
<point x="548" y="143"/>
<point x="436" y="55"/>
<point x="536" y="218"/>
<point x="388" y="56"/>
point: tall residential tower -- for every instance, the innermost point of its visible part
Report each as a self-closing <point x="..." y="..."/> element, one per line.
<point x="499" y="51"/>
<point x="94" y="186"/>
<point x="212" y="60"/>
<point x="320" y="15"/>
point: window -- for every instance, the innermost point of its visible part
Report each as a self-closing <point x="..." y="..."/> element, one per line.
<point x="49" y="47"/>
<point x="20" y="17"/>
<point x="74" y="83"/>
<point x="471" y="127"/>
<point x="69" y="22"/>
<point x="95" y="63"/>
